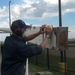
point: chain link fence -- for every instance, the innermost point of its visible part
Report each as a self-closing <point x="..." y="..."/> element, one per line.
<point x="51" y="60"/>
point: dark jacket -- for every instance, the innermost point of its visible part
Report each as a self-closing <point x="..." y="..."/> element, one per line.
<point x="14" y="54"/>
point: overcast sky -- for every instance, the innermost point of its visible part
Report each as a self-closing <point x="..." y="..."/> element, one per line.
<point x="39" y="12"/>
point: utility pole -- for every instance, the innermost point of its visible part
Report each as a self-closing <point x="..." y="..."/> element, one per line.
<point x="9" y="14"/>
<point x="60" y="25"/>
<point x="60" y="16"/>
<point x="62" y="53"/>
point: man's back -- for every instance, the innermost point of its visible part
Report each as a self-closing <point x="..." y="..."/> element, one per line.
<point x="14" y="55"/>
<point x="12" y="63"/>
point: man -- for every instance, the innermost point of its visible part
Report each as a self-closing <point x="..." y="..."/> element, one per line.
<point x="15" y="50"/>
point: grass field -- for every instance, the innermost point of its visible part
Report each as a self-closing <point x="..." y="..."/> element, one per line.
<point x="53" y="62"/>
<point x="35" y="69"/>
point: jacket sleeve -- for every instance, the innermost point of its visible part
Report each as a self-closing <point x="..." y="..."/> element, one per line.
<point x="29" y="51"/>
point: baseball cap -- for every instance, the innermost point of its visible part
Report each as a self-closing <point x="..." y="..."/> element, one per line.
<point x="19" y="23"/>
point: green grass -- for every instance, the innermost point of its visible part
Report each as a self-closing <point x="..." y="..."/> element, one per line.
<point x="53" y="59"/>
<point x="71" y="40"/>
<point x="35" y="69"/>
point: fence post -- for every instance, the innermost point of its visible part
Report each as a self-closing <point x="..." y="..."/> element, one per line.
<point x="65" y="62"/>
<point x="48" y="58"/>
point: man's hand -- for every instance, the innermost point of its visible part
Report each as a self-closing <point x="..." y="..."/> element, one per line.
<point x="42" y="29"/>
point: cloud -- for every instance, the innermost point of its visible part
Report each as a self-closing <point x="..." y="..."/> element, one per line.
<point x="3" y="12"/>
<point x="5" y="23"/>
<point x="71" y="33"/>
<point x="39" y="9"/>
<point x="68" y="7"/>
<point x="72" y="28"/>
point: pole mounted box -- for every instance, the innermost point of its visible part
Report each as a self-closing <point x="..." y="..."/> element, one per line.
<point x="58" y="40"/>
